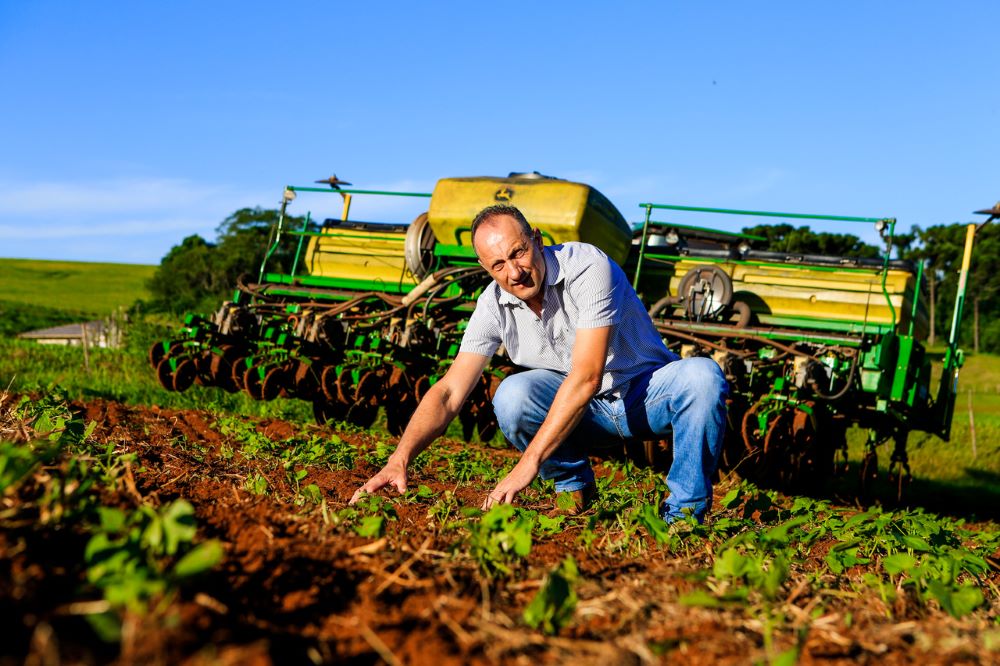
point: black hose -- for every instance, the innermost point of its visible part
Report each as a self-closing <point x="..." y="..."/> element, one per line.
<point x="842" y="392"/>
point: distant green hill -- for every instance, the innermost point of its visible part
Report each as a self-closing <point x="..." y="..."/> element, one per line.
<point x="73" y="285"/>
<point x="36" y="293"/>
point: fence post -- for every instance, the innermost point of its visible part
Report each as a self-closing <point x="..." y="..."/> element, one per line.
<point x="972" y="425"/>
<point x="86" y="358"/>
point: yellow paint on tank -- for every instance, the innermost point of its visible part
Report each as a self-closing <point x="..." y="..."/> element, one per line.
<point x="359" y="254"/>
<point x="803" y="292"/>
<point x="563" y="210"/>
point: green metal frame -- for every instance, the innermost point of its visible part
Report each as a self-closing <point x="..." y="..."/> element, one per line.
<point x="866" y="328"/>
<point x="285" y="200"/>
<point x="650" y="207"/>
<point x="719" y="232"/>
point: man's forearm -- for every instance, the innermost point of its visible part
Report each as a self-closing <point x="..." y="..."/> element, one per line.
<point x="564" y="415"/>
<point x="428" y="422"/>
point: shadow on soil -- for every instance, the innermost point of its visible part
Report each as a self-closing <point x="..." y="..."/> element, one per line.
<point x="977" y="498"/>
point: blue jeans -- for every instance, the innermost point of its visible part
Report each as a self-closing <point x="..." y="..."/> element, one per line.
<point x="687" y="396"/>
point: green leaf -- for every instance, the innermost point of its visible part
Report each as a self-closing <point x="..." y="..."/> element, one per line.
<point x="844" y="545"/>
<point x="730" y="564"/>
<point x="802" y="505"/>
<point x="522" y="541"/>
<point x="178" y="525"/>
<point x="974" y="563"/>
<point x="553" y="606"/>
<point x="43" y="425"/>
<point x="371" y="527"/>
<point x="649" y="517"/>
<point x="915" y="543"/>
<point x="956" y="602"/>
<point x="565" y="501"/>
<point x="98" y="547"/>
<point x="700" y="598"/>
<point x="779" y="534"/>
<point x="776" y="575"/>
<point x="313" y="493"/>
<point x="735" y="594"/>
<point x="550" y="525"/>
<point x="857" y="519"/>
<point x="201" y="558"/>
<point x="112" y="520"/>
<point x="732" y="498"/>
<point x="898" y="563"/>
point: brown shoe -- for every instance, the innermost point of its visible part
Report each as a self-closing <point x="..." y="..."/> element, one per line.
<point x="574" y="502"/>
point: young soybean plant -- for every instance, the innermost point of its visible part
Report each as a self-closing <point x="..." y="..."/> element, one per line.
<point x="137" y="556"/>
<point x="499" y="538"/>
<point x="554" y="605"/>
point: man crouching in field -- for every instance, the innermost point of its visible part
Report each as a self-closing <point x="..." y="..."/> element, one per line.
<point x="598" y="371"/>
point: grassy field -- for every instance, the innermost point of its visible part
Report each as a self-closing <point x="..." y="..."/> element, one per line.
<point x="947" y="477"/>
<point x="80" y="287"/>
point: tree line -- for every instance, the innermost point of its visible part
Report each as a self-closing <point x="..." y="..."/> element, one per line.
<point x="197" y="275"/>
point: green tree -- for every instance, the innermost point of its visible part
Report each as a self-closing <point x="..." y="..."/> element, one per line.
<point x="244" y="238"/>
<point x="940" y="247"/>
<point x="197" y="275"/>
<point x="803" y="240"/>
<point x="983" y="290"/>
<point x="903" y="244"/>
<point x="187" y="278"/>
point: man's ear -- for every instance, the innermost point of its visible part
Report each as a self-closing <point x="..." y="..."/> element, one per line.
<point x="536" y="236"/>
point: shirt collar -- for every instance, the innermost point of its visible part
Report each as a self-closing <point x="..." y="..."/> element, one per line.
<point x="553" y="275"/>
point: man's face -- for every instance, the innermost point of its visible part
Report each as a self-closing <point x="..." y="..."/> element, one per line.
<point x="515" y="261"/>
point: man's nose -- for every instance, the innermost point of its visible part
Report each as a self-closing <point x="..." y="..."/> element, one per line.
<point x="513" y="271"/>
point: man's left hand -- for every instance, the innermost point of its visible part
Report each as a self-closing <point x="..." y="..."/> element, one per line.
<point x="518" y="479"/>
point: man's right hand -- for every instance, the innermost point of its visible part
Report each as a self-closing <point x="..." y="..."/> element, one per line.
<point x="393" y="474"/>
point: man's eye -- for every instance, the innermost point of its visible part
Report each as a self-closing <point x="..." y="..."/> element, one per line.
<point x="519" y="253"/>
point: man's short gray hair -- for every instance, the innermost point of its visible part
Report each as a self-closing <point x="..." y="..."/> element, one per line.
<point x="488" y="213"/>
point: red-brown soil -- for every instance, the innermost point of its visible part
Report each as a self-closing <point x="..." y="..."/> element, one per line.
<point x="294" y="589"/>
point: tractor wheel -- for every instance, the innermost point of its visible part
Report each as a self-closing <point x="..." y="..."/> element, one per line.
<point x="274" y="382"/>
<point x="328" y="383"/>
<point x="157" y="353"/>
<point x="165" y="374"/>
<point x="184" y="375"/>
<point x="220" y="369"/>
<point x="238" y="372"/>
<point x="253" y="385"/>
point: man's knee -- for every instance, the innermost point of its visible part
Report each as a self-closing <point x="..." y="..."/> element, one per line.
<point x="703" y="380"/>
<point x="522" y="400"/>
<point x="510" y="400"/>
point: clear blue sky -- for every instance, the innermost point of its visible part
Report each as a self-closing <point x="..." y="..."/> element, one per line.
<point x="126" y="126"/>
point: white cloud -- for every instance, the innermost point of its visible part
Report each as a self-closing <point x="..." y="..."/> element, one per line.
<point x="67" y="219"/>
<point x="127" y="195"/>
<point x="127" y="227"/>
<point x="56" y="217"/>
